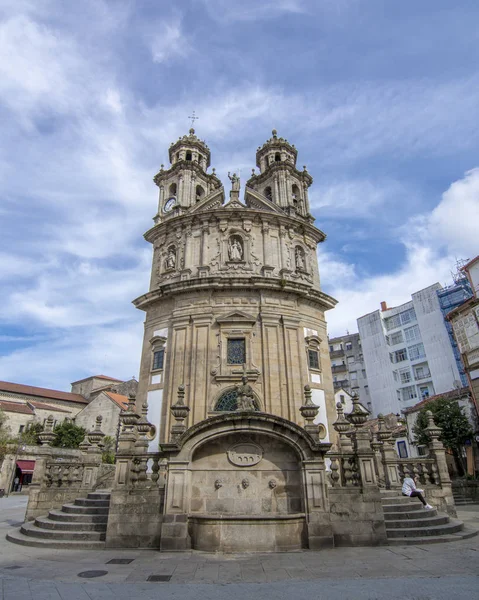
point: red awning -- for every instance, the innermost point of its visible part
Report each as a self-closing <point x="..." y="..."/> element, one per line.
<point x="26" y="466"/>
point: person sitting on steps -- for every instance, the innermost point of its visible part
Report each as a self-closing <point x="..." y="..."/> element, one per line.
<point x="409" y="489"/>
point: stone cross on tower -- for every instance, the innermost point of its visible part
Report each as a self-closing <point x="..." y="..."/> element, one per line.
<point x="193" y="119"/>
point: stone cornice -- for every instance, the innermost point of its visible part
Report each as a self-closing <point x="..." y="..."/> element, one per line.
<point x="183" y="165"/>
<point x="276" y="167"/>
<point x="280" y="220"/>
<point x="233" y="282"/>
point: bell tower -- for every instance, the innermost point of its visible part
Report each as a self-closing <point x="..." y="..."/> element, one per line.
<point x="186" y="182"/>
<point x="279" y="181"/>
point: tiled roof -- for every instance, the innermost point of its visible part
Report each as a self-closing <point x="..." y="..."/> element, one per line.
<point x="452" y="395"/>
<point x="30" y="390"/>
<point x="98" y="377"/>
<point x="17" y="407"/>
<point x="43" y="406"/>
<point x="122" y="401"/>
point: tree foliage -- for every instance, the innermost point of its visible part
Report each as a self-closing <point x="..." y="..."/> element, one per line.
<point x="30" y="435"/>
<point x="5" y="435"/>
<point x="450" y="417"/>
<point x="68" y="435"/>
<point x="109" y="446"/>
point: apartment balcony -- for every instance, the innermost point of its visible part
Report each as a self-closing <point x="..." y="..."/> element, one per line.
<point x="344" y="383"/>
<point x="422" y="377"/>
<point x="339" y="368"/>
<point x="337" y="354"/>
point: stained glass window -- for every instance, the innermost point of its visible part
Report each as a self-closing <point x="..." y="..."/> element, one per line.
<point x="313" y="359"/>
<point x="158" y="357"/>
<point x="236" y="351"/>
<point x="228" y="402"/>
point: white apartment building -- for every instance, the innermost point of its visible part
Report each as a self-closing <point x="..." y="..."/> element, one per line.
<point x="407" y="352"/>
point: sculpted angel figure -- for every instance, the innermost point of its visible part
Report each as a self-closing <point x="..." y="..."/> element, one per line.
<point x="299" y="259"/>
<point x="171" y="259"/>
<point x="235" y="250"/>
<point x="235" y="182"/>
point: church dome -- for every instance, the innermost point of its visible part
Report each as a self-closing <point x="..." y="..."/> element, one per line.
<point x="190" y="147"/>
<point x="275" y="150"/>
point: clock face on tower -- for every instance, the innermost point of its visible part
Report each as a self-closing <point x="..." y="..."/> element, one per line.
<point x="169" y="204"/>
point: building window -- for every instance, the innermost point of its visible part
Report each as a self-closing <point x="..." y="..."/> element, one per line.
<point x="331" y="349"/>
<point x="424" y="391"/>
<point x="402" y="450"/>
<point x="158" y="359"/>
<point x="236" y="351"/>
<point x="229" y="402"/>
<point x="341" y="397"/>
<point x="313" y="359"/>
<point x="412" y="333"/>
<point x="350" y="359"/>
<point x="21" y="428"/>
<point x="396" y="338"/>
<point x="353" y="375"/>
<point x="416" y="351"/>
<point x="363" y="373"/>
<point x="421" y="450"/>
<point x="405" y="375"/>
<point x="398" y="355"/>
<point x="409" y="393"/>
<point x="349" y="346"/>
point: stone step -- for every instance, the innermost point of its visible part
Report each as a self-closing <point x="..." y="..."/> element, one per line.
<point x="85" y="510"/>
<point x="397" y="500"/>
<point x="59" y="515"/>
<point x="17" y="537"/>
<point x="46" y="523"/>
<point x="92" y="502"/>
<point x="465" y="534"/>
<point x="31" y="530"/>
<point x="413" y="514"/>
<point x="99" y="495"/>
<point x="424" y="521"/>
<point x="436" y="530"/>
<point x="389" y="493"/>
<point x="403" y="507"/>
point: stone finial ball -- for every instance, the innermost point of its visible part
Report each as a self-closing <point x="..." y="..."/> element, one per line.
<point x="274" y="132"/>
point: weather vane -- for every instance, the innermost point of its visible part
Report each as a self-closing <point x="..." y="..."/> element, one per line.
<point x="193" y="119"/>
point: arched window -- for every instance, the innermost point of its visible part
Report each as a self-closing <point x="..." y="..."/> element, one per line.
<point x="295" y="194"/>
<point x="188" y="156"/>
<point x="173" y="189"/>
<point x="277" y="157"/>
<point x="177" y="156"/>
<point x="227" y="402"/>
<point x="200" y="192"/>
<point x="268" y="193"/>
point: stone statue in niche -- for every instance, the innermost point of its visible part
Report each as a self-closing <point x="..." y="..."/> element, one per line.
<point x="245" y="396"/>
<point x="299" y="259"/>
<point x="235" y="250"/>
<point x="170" y="261"/>
<point x="235" y="182"/>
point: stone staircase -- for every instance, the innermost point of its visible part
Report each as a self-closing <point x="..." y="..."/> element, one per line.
<point x="78" y="525"/>
<point x="460" y="499"/>
<point x="407" y="522"/>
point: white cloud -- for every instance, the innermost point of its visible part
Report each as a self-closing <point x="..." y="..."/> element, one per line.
<point x="169" y="41"/>
<point x="248" y="10"/>
<point x="433" y="241"/>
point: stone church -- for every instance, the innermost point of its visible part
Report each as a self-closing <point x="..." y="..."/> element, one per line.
<point x="233" y="442"/>
<point x="235" y="291"/>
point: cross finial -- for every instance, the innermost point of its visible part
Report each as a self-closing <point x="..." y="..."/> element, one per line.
<point x="193" y="119"/>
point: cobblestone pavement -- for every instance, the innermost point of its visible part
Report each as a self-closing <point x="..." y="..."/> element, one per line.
<point x="429" y="572"/>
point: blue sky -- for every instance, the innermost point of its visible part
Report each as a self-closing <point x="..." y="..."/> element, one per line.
<point x="380" y="98"/>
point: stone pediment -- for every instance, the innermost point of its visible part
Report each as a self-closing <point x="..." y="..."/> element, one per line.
<point x="237" y="316"/>
<point x="255" y="199"/>
<point x="214" y="200"/>
<point x="234" y="204"/>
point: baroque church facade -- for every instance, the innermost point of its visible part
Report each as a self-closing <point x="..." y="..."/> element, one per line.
<point x="235" y="291"/>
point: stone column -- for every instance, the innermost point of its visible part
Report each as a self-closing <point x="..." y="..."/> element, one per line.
<point x="441" y="493"/>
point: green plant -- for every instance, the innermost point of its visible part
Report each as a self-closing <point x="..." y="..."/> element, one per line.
<point x="450" y="417"/>
<point x="6" y="438"/>
<point x="108" y="452"/>
<point x="30" y="435"/>
<point x="68" y="435"/>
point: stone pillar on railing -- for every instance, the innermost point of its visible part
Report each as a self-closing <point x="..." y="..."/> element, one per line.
<point x="180" y="411"/>
<point x="309" y="411"/>
<point x="362" y="445"/>
<point x="143" y="427"/>
<point x="47" y="436"/>
<point x="388" y="454"/>
<point x="91" y="447"/>
<point x="347" y="460"/>
<point x="128" y="433"/>
<point x="441" y="493"/>
<point x="377" y="445"/>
